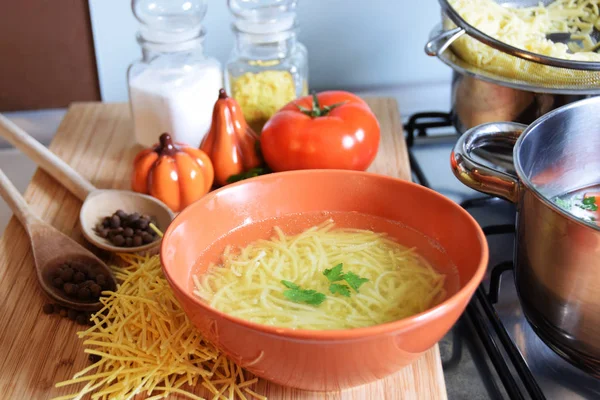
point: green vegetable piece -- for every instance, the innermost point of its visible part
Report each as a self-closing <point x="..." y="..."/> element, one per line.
<point x="290" y="285"/>
<point x="354" y="280"/>
<point x="336" y="288"/>
<point x="307" y="296"/>
<point x="334" y="274"/>
<point x="249" y="174"/>
<point x="589" y="204"/>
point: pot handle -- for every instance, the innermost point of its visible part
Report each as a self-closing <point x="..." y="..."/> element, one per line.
<point x="438" y="44"/>
<point x="481" y="177"/>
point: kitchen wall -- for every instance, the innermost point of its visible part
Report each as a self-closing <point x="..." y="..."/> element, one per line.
<point x="373" y="46"/>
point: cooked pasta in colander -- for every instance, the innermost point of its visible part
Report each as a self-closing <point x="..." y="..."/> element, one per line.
<point x="526" y="28"/>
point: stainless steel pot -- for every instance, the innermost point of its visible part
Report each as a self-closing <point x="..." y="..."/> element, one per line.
<point x="476" y="101"/>
<point x="557" y="256"/>
<point x="479" y="96"/>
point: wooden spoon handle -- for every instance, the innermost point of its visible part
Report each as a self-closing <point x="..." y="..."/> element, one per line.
<point x="45" y="159"/>
<point x="16" y="202"/>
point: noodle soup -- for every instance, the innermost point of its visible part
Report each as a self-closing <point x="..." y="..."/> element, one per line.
<point x="582" y="203"/>
<point x="325" y="271"/>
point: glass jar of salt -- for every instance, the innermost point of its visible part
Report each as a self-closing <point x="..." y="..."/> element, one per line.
<point x="268" y="66"/>
<point x="173" y="88"/>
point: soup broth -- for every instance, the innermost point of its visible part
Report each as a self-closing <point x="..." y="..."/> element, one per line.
<point x="582" y="203"/>
<point x="325" y="271"/>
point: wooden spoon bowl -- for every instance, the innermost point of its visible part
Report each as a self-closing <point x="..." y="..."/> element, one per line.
<point x="97" y="204"/>
<point x="102" y="203"/>
<point x="51" y="249"/>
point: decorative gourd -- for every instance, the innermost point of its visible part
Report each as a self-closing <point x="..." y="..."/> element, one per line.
<point x="176" y="174"/>
<point x="230" y="143"/>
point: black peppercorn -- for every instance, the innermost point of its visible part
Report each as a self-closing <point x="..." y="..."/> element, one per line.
<point x="78" y="277"/>
<point x="143" y="223"/>
<point x="72" y="314"/>
<point x="146" y="237"/>
<point x="70" y="289"/>
<point x="95" y="289"/>
<point x="115" y="221"/>
<point x="137" y="240"/>
<point x="120" y="226"/>
<point x="101" y="280"/>
<point x="48" y="308"/>
<point x="81" y="319"/>
<point x="67" y="274"/>
<point x="94" y="358"/>
<point x="84" y="293"/>
<point x="119" y="240"/>
<point x="134" y="217"/>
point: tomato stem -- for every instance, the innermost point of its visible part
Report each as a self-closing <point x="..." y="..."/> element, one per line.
<point x="317" y="110"/>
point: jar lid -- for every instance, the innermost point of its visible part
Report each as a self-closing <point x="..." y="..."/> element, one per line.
<point x="263" y="17"/>
<point x="169" y="21"/>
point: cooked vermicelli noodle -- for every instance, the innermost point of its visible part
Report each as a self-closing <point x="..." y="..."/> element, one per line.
<point x="248" y="282"/>
<point x="526" y="28"/>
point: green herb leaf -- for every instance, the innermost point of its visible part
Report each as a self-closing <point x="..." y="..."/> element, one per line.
<point x="354" y="280"/>
<point x="290" y="285"/>
<point x="307" y="296"/>
<point x="336" y="288"/>
<point x="249" y="174"/>
<point x="298" y="295"/>
<point x="589" y="204"/>
<point x="334" y="274"/>
<point x="562" y="203"/>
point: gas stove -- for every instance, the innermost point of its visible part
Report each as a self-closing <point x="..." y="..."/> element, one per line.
<point x="492" y="352"/>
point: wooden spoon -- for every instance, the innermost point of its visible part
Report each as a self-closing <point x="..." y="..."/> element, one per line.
<point x="97" y="204"/>
<point x="51" y="249"/>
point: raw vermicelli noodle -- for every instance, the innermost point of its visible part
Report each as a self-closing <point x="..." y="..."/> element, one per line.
<point x="248" y="281"/>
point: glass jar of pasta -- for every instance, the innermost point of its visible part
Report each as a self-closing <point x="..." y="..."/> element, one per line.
<point x="268" y="67"/>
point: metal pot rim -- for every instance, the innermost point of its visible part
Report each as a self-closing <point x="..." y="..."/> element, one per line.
<point x="447" y="58"/>
<point x="519" y="169"/>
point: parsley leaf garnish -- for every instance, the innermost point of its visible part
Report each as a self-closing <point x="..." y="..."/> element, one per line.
<point x="354" y="280"/>
<point x="298" y="295"/>
<point x="344" y="290"/>
<point x="290" y="285"/>
<point x="589" y="204"/>
<point x="334" y="274"/>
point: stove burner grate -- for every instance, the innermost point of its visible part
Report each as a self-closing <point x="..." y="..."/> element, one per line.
<point x="480" y="310"/>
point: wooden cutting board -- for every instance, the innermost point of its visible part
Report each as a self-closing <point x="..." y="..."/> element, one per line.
<point x="37" y="350"/>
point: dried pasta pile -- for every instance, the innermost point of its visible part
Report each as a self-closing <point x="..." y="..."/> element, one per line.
<point x="147" y="345"/>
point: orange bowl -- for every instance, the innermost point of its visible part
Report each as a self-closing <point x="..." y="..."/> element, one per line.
<point x="324" y="360"/>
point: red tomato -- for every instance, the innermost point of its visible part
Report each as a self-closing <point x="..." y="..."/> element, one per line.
<point x="337" y="130"/>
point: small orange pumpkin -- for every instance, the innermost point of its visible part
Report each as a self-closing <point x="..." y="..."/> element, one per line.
<point x="230" y="143"/>
<point x="176" y="174"/>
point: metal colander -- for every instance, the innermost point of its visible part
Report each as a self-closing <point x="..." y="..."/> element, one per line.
<point x="511" y="66"/>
